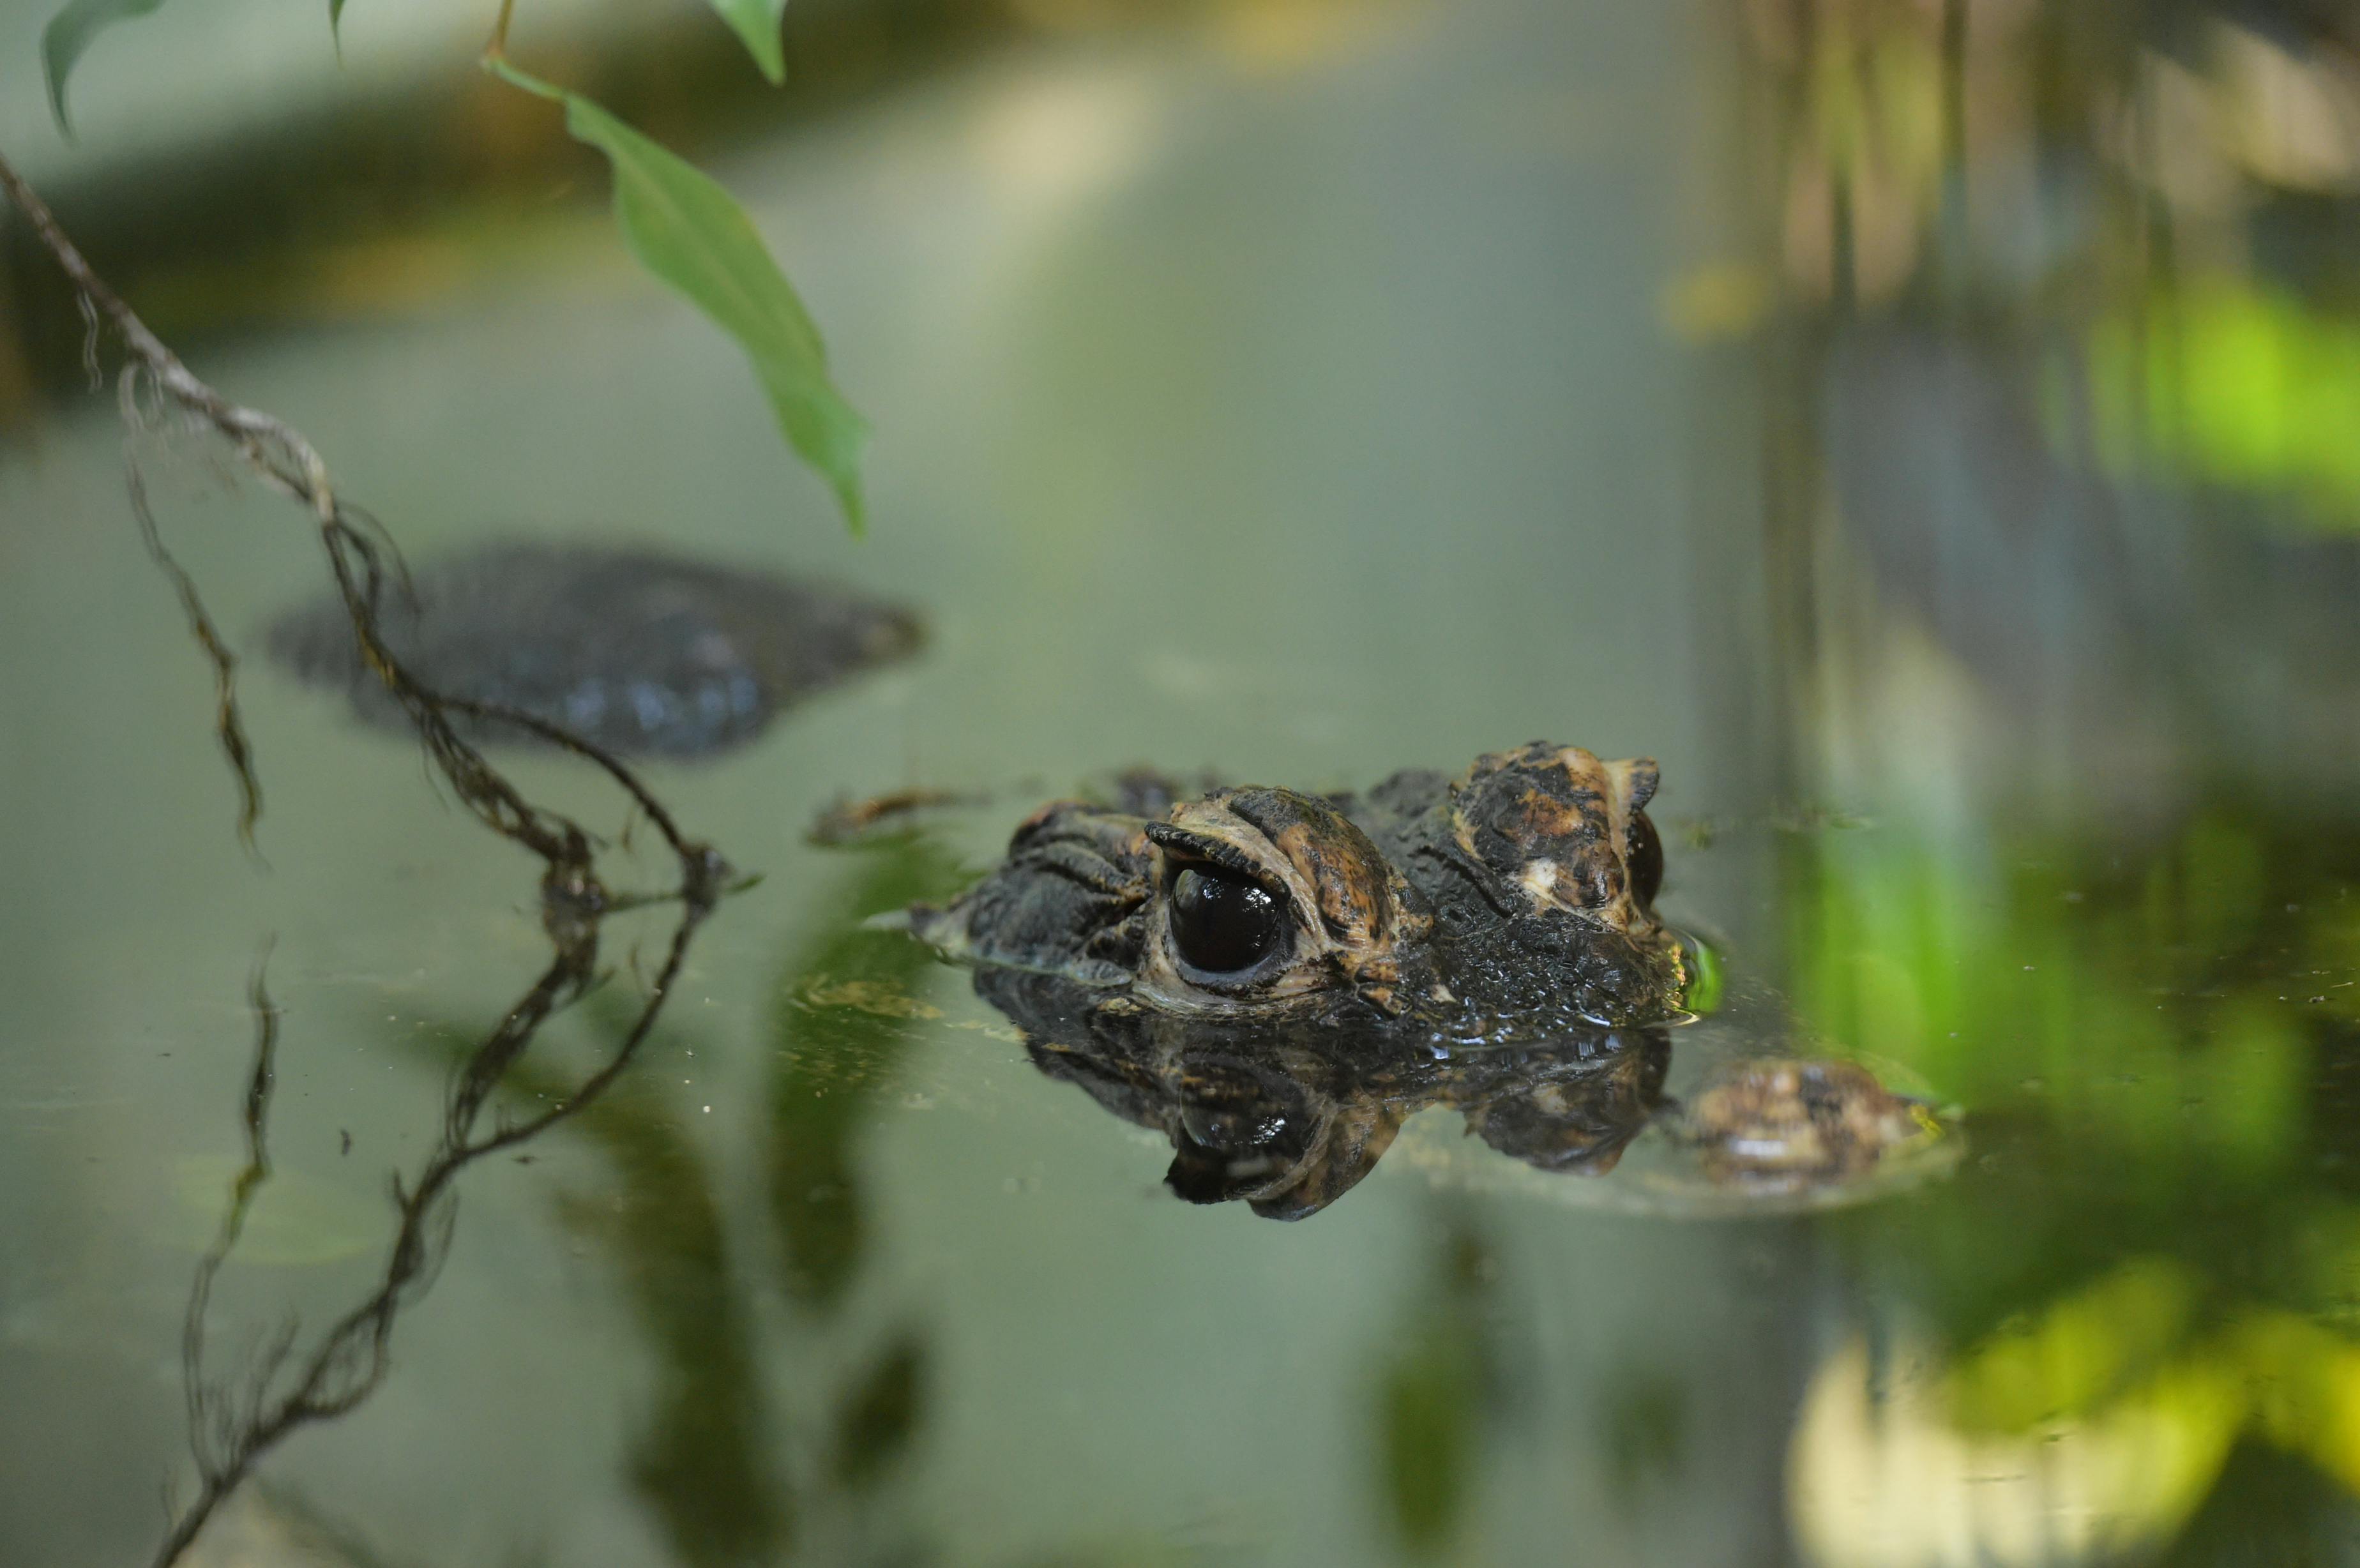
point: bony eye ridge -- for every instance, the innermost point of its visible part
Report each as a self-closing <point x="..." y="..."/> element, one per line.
<point x="1223" y="923"/>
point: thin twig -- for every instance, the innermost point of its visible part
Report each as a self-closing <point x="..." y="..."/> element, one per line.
<point x="274" y="449"/>
<point x="206" y="1419"/>
<point x="348" y="1363"/>
<point x="352" y="1359"/>
<point x="558" y="735"/>
<point x="286" y="460"/>
<point x="228" y="727"/>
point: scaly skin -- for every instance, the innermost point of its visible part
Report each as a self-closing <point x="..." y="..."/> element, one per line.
<point x="1511" y="903"/>
<point x="1508" y="909"/>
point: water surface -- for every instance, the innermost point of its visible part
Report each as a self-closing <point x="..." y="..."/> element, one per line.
<point x="1302" y="393"/>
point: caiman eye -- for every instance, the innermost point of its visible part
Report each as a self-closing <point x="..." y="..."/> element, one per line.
<point x="1646" y="861"/>
<point x="1223" y="923"/>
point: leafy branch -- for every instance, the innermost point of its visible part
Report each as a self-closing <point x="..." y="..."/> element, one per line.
<point x="360" y="558"/>
<point x="680" y="224"/>
<point x="690" y="231"/>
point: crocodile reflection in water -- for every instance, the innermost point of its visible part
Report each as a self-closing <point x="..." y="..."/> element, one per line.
<point x="1291" y="1120"/>
<point x="1277" y="980"/>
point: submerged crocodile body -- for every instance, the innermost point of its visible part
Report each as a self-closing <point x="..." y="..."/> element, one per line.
<point x="637" y="651"/>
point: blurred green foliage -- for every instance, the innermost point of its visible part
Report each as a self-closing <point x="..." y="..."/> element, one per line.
<point x="682" y="225"/>
<point x="2139" y="998"/>
<point x="70" y="33"/>
<point x="2236" y="384"/>
<point x="2157" y="1251"/>
<point x="757" y="23"/>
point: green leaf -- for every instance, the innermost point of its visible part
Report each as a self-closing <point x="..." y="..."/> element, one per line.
<point x="757" y="23"/>
<point x="690" y="232"/>
<point x="70" y="32"/>
<point x="336" y="19"/>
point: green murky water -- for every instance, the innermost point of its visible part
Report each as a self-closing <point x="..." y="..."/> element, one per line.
<point x="1934" y="444"/>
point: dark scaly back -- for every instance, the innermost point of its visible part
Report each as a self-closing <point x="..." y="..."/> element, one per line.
<point x="638" y="650"/>
<point x="1519" y="971"/>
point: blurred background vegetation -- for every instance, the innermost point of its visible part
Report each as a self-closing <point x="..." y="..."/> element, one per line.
<point x="2029" y="652"/>
<point x="2069" y="308"/>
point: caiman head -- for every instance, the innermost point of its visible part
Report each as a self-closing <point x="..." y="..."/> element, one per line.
<point x="1515" y="901"/>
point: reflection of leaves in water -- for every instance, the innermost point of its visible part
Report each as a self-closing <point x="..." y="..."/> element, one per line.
<point x="2303" y="1519"/>
<point x="836" y="1049"/>
<point x="2083" y="1350"/>
<point x="1644" y="1420"/>
<point x="879" y="1414"/>
<point x="1879" y="1477"/>
<point x="703" y="1461"/>
<point x="231" y="1427"/>
<point x="1428" y="1418"/>
<point x="698" y="1462"/>
<point x="1434" y="1397"/>
<point x="2306" y="1386"/>
<point x="2102" y="1419"/>
<point x="289" y="1386"/>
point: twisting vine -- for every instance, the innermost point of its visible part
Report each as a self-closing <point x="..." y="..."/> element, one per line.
<point x="231" y="1430"/>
